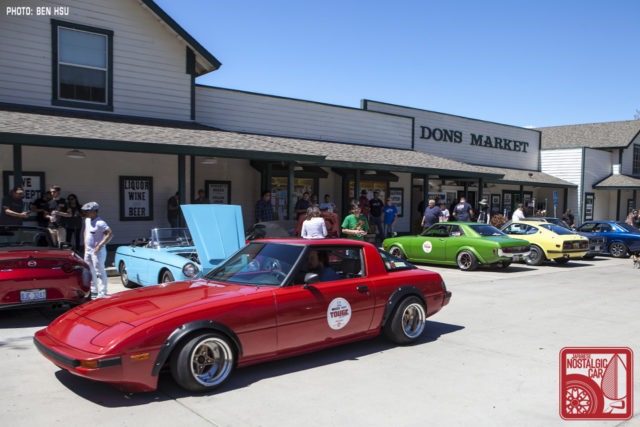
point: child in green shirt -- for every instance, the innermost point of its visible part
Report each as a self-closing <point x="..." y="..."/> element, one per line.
<point x="355" y="226"/>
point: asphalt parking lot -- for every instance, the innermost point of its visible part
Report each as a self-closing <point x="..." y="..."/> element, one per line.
<point x="489" y="358"/>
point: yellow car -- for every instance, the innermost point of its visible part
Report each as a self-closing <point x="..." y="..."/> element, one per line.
<point x="548" y="241"/>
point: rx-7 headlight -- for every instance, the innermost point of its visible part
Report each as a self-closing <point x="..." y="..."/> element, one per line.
<point x="190" y="270"/>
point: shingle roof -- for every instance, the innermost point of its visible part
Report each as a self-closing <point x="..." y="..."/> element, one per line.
<point x="68" y="128"/>
<point x="526" y="177"/>
<point x="591" y="135"/>
<point x="618" y="182"/>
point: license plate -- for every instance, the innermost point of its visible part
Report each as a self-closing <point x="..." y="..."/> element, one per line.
<point x="33" y="295"/>
<point x="515" y="257"/>
<point x="596" y="248"/>
<point x="576" y="246"/>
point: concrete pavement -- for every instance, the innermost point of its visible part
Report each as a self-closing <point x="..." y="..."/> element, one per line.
<point x="489" y="358"/>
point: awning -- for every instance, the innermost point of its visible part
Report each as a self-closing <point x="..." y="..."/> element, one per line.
<point x="618" y="182"/>
<point x="530" y="178"/>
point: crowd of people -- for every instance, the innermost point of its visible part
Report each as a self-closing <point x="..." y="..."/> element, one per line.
<point x="66" y="219"/>
<point x="364" y="216"/>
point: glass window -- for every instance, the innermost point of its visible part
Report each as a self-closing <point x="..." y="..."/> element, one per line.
<point x="603" y="228"/>
<point x="436" y="230"/>
<point x="588" y="227"/>
<point x="82" y="65"/>
<point x="557" y="229"/>
<point x="636" y="159"/>
<point x="455" y="231"/>
<point x="331" y="263"/>
<point x="486" y="230"/>
<point x="393" y="263"/>
<point x="82" y="61"/>
<point x="258" y="264"/>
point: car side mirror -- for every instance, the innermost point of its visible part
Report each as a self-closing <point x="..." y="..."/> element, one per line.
<point x="310" y="279"/>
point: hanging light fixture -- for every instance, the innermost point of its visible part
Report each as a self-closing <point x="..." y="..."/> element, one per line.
<point x="76" y="154"/>
<point x="209" y="161"/>
<point x="369" y="172"/>
<point x="298" y="168"/>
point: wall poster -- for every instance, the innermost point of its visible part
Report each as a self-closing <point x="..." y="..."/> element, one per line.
<point x="397" y="198"/>
<point x="136" y="198"/>
<point x="32" y="184"/>
<point x="218" y="192"/>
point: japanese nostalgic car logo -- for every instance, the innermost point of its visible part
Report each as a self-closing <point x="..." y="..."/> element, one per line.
<point x="31" y="263"/>
<point x="596" y="383"/>
<point x="427" y="246"/>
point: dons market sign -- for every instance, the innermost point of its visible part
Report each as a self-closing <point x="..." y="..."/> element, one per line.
<point x="479" y="140"/>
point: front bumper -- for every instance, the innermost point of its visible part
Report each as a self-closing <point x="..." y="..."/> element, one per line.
<point x="122" y="371"/>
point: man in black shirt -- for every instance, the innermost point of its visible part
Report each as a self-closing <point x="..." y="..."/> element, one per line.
<point x="302" y="205"/>
<point x="13" y="208"/>
<point x="57" y="214"/>
<point x="41" y="207"/>
<point x="462" y="211"/>
<point x="375" y="216"/>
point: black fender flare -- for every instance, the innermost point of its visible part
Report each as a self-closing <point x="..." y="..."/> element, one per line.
<point x="179" y="333"/>
<point x="397" y="296"/>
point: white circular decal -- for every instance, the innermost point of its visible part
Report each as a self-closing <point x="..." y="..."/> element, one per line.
<point x="338" y="313"/>
<point x="426" y="246"/>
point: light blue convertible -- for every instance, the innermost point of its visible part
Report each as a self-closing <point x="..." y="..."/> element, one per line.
<point x="214" y="233"/>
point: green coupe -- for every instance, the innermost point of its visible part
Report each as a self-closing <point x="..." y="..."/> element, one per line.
<point x="467" y="244"/>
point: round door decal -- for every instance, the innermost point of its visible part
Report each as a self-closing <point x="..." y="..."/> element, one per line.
<point x="338" y="313"/>
<point x="427" y="246"/>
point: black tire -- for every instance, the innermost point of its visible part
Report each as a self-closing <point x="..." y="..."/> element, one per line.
<point x="203" y="362"/>
<point x="166" y="277"/>
<point x="503" y="265"/>
<point x="396" y="251"/>
<point x="467" y="261"/>
<point x="618" y="250"/>
<point x="535" y="257"/>
<point x="407" y="323"/>
<point x="124" y="277"/>
<point x="561" y="260"/>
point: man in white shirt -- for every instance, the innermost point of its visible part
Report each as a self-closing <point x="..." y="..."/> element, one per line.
<point x="518" y="214"/>
<point x="96" y="236"/>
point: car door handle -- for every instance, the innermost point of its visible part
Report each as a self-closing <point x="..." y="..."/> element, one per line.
<point x="363" y="289"/>
<point x="152" y="259"/>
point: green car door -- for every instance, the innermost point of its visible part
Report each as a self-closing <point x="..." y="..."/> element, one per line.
<point x="455" y="240"/>
<point x="430" y="245"/>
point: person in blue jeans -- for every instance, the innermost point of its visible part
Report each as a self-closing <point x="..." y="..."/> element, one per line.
<point x="375" y="216"/>
<point x="390" y="213"/>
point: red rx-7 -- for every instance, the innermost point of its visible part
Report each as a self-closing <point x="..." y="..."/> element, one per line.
<point x="272" y="299"/>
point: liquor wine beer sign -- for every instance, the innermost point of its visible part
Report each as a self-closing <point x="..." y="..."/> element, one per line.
<point x="136" y="198"/>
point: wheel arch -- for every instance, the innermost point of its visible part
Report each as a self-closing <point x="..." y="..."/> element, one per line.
<point x="474" y="251"/>
<point x="396" y="297"/>
<point x="188" y="330"/>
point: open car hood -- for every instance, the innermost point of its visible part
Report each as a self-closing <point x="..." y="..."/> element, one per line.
<point x="217" y="231"/>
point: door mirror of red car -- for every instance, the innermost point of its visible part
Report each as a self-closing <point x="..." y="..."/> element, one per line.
<point x="310" y="279"/>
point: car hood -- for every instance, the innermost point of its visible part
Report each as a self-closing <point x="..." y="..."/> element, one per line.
<point x="217" y="231"/>
<point x="142" y="305"/>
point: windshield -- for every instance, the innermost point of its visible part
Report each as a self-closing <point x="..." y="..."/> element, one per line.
<point x="557" y="229"/>
<point x="627" y="227"/>
<point x="559" y="223"/>
<point x="18" y="236"/>
<point x="260" y="264"/>
<point x="486" y="230"/>
<point x="170" y="237"/>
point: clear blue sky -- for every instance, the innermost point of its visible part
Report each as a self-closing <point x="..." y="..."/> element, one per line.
<point x="535" y="63"/>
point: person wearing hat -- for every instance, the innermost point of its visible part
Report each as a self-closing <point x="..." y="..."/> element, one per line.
<point x="96" y="236"/>
<point x="13" y="208"/>
<point x="483" y="215"/>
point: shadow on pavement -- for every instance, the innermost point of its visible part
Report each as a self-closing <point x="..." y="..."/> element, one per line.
<point x="30" y="317"/>
<point x="107" y="396"/>
<point x="513" y="268"/>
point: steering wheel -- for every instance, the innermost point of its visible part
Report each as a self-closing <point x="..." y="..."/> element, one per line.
<point x="279" y="275"/>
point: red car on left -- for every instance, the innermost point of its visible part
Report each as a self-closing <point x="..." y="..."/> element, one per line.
<point x="34" y="272"/>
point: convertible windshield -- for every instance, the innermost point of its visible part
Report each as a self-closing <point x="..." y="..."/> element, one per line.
<point x="18" y="236"/>
<point x="486" y="230"/>
<point x="260" y="264"/>
<point x="170" y="237"/>
<point x="556" y="229"/>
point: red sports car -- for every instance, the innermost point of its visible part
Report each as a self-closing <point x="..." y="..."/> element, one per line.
<point x="34" y="272"/>
<point x="271" y="299"/>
